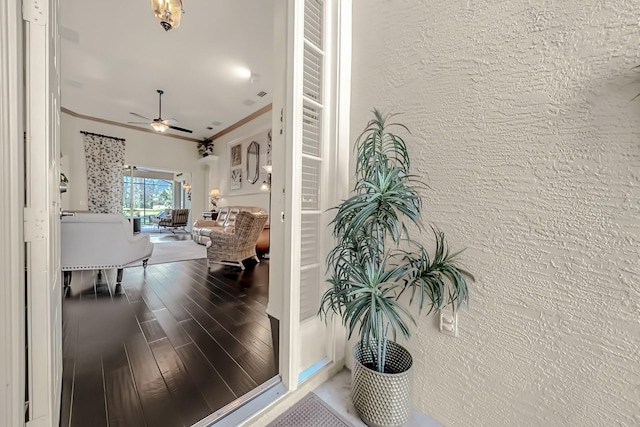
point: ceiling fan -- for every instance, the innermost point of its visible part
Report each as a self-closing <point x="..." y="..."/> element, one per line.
<point x="159" y="124"/>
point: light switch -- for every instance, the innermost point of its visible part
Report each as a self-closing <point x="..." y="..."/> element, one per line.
<point x="449" y="323"/>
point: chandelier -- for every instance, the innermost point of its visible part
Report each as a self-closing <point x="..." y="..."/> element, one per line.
<point x="168" y="12"/>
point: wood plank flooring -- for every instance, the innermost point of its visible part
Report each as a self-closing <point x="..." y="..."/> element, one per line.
<point x="174" y="344"/>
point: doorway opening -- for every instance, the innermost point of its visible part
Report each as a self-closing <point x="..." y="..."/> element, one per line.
<point x="187" y="338"/>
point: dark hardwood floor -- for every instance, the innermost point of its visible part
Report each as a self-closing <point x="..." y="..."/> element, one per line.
<point x="173" y="345"/>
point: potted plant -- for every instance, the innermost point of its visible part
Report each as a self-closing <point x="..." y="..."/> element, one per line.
<point x="376" y="262"/>
<point x="205" y="148"/>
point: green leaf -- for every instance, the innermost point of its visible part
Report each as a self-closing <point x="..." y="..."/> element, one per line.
<point x="375" y="260"/>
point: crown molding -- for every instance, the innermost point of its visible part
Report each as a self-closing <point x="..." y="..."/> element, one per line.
<point x="123" y="125"/>
<point x="246" y="120"/>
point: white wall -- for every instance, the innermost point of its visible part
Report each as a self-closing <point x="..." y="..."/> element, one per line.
<point x="141" y="149"/>
<point x="248" y="194"/>
<point x="524" y="129"/>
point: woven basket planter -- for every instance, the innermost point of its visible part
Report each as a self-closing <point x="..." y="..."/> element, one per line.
<point x="381" y="399"/>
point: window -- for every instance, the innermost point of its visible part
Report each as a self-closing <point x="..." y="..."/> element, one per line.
<point x="150" y="196"/>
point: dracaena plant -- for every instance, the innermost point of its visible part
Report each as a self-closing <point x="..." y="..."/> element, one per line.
<point x="375" y="261"/>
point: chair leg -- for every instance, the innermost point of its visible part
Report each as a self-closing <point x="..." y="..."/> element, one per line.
<point x="119" y="276"/>
<point x="256" y="258"/>
<point x="66" y="281"/>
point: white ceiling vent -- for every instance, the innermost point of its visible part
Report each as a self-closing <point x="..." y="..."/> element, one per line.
<point x="262" y="93"/>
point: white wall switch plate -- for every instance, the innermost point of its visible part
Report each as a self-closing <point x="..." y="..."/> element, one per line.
<point x="449" y="323"/>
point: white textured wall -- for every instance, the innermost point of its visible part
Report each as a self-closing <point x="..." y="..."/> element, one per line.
<point x="524" y="128"/>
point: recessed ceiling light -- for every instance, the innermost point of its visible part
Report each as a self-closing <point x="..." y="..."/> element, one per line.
<point x="243" y="72"/>
<point x="248" y="102"/>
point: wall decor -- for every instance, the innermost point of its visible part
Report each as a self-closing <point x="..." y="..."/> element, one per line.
<point x="253" y="162"/>
<point x="250" y="168"/>
<point x="236" y="155"/>
<point x="205" y="148"/>
<point x="236" y="179"/>
<point x="105" y="163"/>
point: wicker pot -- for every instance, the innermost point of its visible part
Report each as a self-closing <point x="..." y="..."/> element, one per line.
<point x="381" y="399"/>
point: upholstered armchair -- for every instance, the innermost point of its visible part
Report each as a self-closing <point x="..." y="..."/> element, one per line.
<point x="231" y="246"/>
<point x="155" y="219"/>
<point x="177" y="219"/>
<point x="91" y="241"/>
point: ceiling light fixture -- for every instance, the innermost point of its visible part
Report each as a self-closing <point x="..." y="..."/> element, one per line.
<point x="167" y="12"/>
<point x="159" y="126"/>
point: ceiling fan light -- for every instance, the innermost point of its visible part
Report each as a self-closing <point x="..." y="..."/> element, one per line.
<point x="167" y="12"/>
<point x="159" y="126"/>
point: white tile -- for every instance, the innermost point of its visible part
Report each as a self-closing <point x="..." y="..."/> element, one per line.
<point x="336" y="392"/>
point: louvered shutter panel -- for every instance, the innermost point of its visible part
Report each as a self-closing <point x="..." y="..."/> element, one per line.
<point x="311" y="262"/>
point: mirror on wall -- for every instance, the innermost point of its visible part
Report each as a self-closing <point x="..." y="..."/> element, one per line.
<point x="253" y="162"/>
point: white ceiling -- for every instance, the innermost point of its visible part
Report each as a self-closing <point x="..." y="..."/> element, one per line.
<point x="115" y="55"/>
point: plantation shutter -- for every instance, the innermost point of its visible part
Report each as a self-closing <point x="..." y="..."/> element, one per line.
<point x="311" y="257"/>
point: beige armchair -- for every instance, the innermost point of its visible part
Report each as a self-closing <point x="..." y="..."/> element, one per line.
<point x="237" y="243"/>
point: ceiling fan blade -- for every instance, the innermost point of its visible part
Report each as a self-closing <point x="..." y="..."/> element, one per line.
<point x="180" y="129"/>
<point x="141" y="116"/>
<point x="138" y="123"/>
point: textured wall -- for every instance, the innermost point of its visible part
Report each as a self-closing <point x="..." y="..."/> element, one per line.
<point x="524" y="128"/>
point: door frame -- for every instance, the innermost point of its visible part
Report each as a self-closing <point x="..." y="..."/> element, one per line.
<point x="339" y="14"/>
<point x="12" y="261"/>
<point x="12" y="300"/>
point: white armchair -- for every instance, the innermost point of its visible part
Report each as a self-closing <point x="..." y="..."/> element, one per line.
<point x="92" y="241"/>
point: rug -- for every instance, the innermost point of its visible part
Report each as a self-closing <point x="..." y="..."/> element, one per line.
<point x="311" y="411"/>
<point x="175" y="251"/>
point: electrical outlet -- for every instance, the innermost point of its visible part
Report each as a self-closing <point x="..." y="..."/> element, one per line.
<point x="449" y="323"/>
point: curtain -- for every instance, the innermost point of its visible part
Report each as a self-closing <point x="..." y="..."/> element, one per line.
<point x="105" y="164"/>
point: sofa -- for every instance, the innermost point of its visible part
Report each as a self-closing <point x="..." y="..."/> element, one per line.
<point x="92" y="241"/>
<point x="224" y="223"/>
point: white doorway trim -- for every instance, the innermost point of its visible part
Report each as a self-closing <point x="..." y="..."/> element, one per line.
<point x="12" y="301"/>
<point x="12" y="365"/>
<point x="339" y="26"/>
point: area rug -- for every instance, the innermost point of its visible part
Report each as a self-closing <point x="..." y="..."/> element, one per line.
<point x="175" y="251"/>
<point x="311" y="411"/>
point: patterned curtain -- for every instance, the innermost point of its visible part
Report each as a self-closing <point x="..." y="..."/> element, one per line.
<point x="105" y="164"/>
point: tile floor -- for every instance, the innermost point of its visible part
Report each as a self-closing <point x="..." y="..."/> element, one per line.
<point x="337" y="393"/>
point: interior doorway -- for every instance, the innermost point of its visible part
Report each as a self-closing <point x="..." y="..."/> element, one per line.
<point x="289" y="299"/>
<point x="187" y="340"/>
